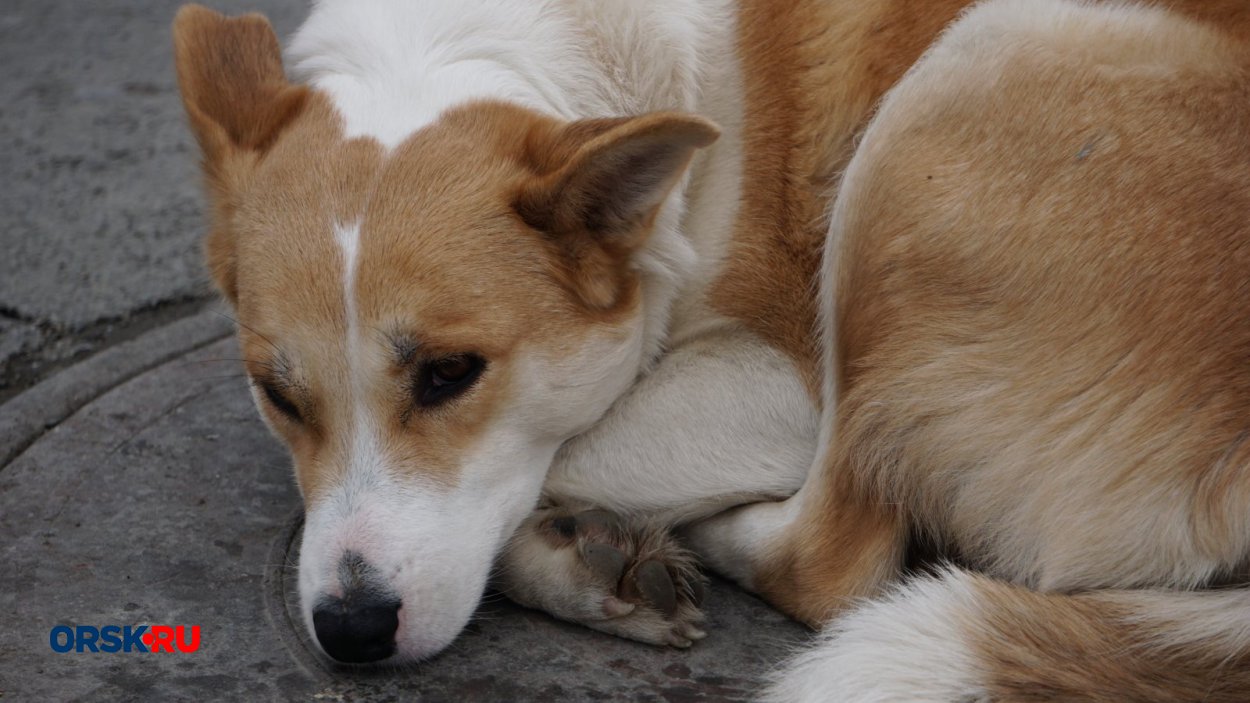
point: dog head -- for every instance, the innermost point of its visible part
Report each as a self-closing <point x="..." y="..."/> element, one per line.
<point x="422" y="325"/>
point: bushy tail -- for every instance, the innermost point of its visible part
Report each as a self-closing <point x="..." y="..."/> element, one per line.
<point x="962" y="637"/>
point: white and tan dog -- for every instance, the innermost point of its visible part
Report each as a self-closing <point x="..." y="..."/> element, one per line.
<point x="531" y="283"/>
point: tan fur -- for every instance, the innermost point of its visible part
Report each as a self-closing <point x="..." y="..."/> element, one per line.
<point x="1109" y="645"/>
<point x="1042" y="342"/>
<point x="481" y="238"/>
<point x="811" y="73"/>
<point x="233" y="120"/>
<point x="579" y="169"/>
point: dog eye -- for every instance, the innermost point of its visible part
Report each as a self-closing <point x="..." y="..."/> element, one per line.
<point x="280" y="402"/>
<point x="441" y="379"/>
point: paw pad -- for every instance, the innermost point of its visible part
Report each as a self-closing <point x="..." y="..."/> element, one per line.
<point x="643" y="584"/>
<point x="651" y="583"/>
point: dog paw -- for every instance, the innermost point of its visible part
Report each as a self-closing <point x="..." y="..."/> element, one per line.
<point x="599" y="570"/>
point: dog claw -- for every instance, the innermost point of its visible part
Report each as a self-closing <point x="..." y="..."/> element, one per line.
<point x="693" y="633"/>
<point x="614" y="607"/>
<point x="678" y="641"/>
<point x="596" y="568"/>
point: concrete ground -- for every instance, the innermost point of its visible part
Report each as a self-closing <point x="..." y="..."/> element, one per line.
<point x="137" y="485"/>
<point x="100" y="213"/>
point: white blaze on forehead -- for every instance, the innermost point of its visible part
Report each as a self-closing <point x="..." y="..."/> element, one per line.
<point x="348" y="238"/>
<point x="364" y="461"/>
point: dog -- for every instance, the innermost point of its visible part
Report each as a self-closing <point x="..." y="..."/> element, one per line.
<point x="581" y="294"/>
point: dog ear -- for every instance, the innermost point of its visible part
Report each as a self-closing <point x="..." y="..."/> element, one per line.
<point x="233" y="86"/>
<point x="599" y="186"/>
<point x="237" y="101"/>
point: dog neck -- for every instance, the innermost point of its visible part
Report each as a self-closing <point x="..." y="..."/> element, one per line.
<point x="393" y="67"/>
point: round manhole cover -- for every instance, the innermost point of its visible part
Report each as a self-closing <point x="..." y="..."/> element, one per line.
<point x="161" y="500"/>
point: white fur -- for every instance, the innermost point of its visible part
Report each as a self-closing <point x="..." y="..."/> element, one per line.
<point x="434" y="542"/>
<point x="392" y="67"/>
<point x="720" y="421"/>
<point x="911" y="645"/>
<point x="735" y="541"/>
<point x="722" y="418"/>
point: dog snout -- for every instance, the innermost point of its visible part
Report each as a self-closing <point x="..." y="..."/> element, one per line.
<point x="360" y="626"/>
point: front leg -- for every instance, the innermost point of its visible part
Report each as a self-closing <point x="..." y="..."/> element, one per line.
<point x="720" y="422"/>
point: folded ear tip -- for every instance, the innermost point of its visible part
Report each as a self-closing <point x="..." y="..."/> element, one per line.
<point x="694" y="130"/>
<point x="190" y="10"/>
<point x="195" y="21"/>
<point x="704" y="131"/>
<point x="711" y="132"/>
<point x="191" y="15"/>
<point x="231" y="79"/>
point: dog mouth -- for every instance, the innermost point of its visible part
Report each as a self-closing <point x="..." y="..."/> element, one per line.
<point x="387" y="604"/>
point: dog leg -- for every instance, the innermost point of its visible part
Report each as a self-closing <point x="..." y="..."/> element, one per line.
<point x="812" y="555"/>
<point x="720" y="422"/>
<point x="628" y="578"/>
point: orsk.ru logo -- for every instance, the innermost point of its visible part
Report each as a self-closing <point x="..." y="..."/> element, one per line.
<point x="145" y="639"/>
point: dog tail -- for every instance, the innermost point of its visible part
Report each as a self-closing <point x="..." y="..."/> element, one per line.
<point x="963" y="637"/>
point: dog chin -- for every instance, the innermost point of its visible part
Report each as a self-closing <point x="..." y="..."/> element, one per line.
<point x="418" y="643"/>
<point x="415" y="559"/>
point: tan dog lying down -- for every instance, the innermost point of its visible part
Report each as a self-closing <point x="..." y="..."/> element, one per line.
<point x="805" y="281"/>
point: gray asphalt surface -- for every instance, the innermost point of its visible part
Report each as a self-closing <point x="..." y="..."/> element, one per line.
<point x="137" y="486"/>
<point x="100" y="213"/>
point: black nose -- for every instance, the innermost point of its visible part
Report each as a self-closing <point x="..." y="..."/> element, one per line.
<point x="358" y="628"/>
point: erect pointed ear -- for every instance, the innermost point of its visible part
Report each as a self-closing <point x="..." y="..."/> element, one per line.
<point x="237" y="100"/>
<point x="611" y="175"/>
<point x="233" y="86"/>
<point x="599" y="186"/>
